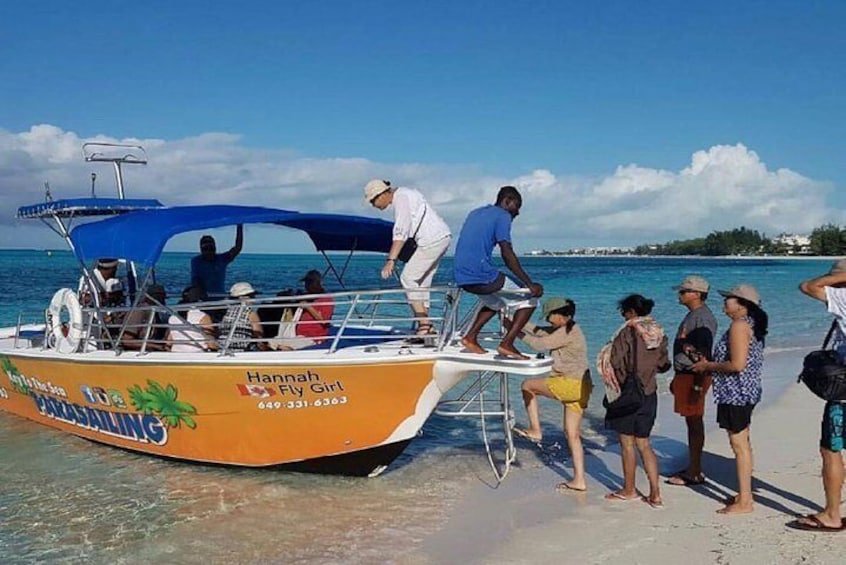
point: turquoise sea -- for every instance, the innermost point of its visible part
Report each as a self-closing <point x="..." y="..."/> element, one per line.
<point x="64" y="499"/>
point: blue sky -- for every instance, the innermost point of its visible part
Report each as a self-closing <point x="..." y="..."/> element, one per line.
<point x="624" y="122"/>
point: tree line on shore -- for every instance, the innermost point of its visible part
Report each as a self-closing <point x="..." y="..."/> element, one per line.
<point x="825" y="240"/>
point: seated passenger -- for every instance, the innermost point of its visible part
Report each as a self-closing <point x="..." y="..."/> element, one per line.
<point x="241" y="321"/>
<point x="104" y="270"/>
<point x="144" y="322"/>
<point x="113" y="298"/>
<point x="190" y="329"/>
<point x="314" y="321"/>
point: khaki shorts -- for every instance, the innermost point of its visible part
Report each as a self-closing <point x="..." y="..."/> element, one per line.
<point x="574" y="393"/>
<point x="682" y="388"/>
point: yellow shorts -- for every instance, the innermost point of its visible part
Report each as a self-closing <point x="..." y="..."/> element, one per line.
<point x="574" y="393"/>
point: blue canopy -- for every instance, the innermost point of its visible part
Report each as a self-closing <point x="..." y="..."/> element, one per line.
<point x="141" y="236"/>
<point x="72" y="207"/>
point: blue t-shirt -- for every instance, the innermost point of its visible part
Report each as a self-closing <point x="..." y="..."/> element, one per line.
<point x="483" y="229"/>
<point x="210" y="274"/>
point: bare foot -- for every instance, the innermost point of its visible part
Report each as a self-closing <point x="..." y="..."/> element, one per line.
<point x="736" y="508"/>
<point x="510" y="353"/>
<point x="472" y="345"/>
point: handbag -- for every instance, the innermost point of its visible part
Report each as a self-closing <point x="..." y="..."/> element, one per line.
<point x="631" y="395"/>
<point x="823" y="373"/>
<point x="410" y="245"/>
<point x="288" y="323"/>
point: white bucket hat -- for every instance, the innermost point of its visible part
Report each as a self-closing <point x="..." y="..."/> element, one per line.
<point x="374" y="188"/>
<point x="241" y="289"/>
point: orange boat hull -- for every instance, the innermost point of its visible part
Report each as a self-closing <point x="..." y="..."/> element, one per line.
<point x="227" y="413"/>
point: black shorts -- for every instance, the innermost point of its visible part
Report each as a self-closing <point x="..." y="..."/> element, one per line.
<point x="833" y="436"/>
<point x="487" y="288"/>
<point x="638" y="424"/>
<point x="734" y="418"/>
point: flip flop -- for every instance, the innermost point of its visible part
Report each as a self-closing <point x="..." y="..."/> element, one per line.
<point x="653" y="503"/>
<point x="814" y="525"/>
<point x="685" y="480"/>
<point x="525" y="435"/>
<point x="564" y="487"/>
<point x="616" y="496"/>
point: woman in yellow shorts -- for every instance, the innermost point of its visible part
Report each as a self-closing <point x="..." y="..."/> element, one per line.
<point x="569" y="383"/>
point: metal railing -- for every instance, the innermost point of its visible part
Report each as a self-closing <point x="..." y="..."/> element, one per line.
<point x="378" y="318"/>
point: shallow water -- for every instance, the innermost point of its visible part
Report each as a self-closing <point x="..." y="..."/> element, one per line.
<point x="67" y="499"/>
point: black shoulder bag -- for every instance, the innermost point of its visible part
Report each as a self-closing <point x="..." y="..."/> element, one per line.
<point x="410" y="245"/>
<point x="631" y="393"/>
<point x="823" y="373"/>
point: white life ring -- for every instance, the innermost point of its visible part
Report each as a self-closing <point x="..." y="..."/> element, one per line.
<point x="66" y="338"/>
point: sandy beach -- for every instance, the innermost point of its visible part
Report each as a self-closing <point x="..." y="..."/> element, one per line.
<point x="526" y="521"/>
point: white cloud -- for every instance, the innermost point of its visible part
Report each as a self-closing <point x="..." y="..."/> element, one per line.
<point x="722" y="188"/>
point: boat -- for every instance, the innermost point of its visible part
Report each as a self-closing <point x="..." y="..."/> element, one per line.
<point x="348" y="405"/>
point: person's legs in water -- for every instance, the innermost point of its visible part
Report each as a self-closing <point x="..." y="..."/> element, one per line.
<point x="531" y="389"/>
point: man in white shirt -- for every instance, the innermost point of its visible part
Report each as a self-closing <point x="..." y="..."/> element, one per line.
<point x="831" y="289"/>
<point x="414" y="219"/>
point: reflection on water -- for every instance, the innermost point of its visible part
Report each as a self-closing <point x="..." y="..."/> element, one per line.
<point x="65" y="498"/>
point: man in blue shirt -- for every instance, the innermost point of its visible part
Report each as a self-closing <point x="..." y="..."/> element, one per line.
<point x="208" y="269"/>
<point x="485" y="228"/>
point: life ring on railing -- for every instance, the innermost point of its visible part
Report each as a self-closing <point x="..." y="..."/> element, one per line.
<point x="66" y="338"/>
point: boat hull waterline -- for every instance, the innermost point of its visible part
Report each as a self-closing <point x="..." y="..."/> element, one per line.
<point x="245" y="414"/>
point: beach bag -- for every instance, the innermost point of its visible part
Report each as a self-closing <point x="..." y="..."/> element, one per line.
<point x="631" y="395"/>
<point x="629" y="400"/>
<point x="410" y="245"/>
<point x="288" y="324"/>
<point x="823" y="373"/>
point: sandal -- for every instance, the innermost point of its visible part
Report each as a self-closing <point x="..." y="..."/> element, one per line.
<point x="421" y="334"/>
<point x="684" y="480"/>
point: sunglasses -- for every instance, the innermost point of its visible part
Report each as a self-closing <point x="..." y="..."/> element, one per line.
<point x="686" y="290"/>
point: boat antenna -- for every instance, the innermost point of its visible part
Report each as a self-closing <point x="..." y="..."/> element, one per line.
<point x="47" y="196"/>
<point x="93" y="180"/>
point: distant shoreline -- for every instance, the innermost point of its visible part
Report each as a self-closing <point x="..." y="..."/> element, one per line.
<point x="525" y="255"/>
<point x="723" y="257"/>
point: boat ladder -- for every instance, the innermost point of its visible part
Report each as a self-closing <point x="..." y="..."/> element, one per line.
<point x="472" y="402"/>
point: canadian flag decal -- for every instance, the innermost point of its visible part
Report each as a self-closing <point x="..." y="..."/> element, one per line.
<point x="255" y="390"/>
